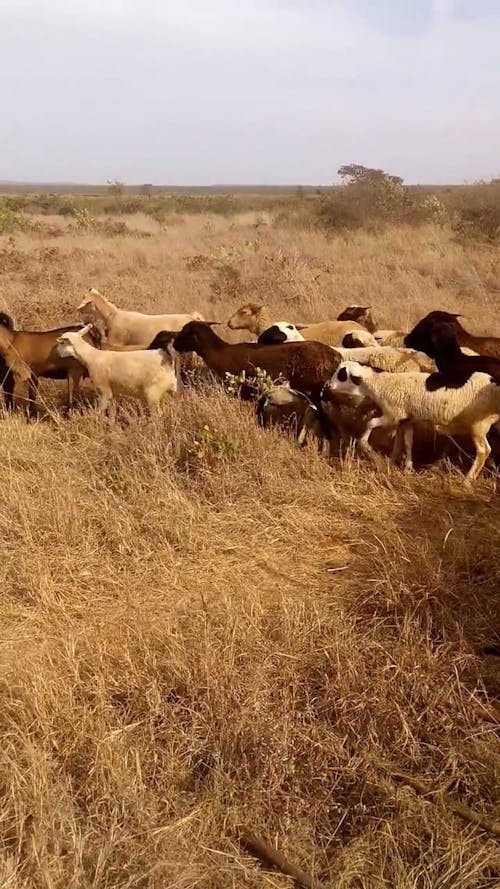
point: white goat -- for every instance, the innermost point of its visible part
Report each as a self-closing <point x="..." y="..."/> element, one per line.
<point x="125" y="328"/>
<point x="146" y="373"/>
<point x="471" y="408"/>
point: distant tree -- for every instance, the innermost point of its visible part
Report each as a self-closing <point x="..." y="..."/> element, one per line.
<point x="147" y="189"/>
<point x="357" y="174"/>
<point x="299" y="191"/>
<point x="116" y="188"/>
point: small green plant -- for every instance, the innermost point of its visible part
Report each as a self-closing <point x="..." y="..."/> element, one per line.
<point x="260" y="383"/>
<point x="11" y="221"/>
<point x="83" y="218"/>
<point x="211" y="443"/>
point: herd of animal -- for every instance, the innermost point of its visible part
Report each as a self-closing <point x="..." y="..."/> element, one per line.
<point x="438" y="374"/>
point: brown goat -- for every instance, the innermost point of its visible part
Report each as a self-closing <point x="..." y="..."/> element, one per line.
<point x="29" y="355"/>
<point x="307" y="366"/>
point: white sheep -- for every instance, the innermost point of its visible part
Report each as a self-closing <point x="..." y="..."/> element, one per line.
<point x="257" y="318"/>
<point x="390" y="337"/>
<point x="146" y="373"/>
<point x="125" y="328"/>
<point x="390" y="358"/>
<point x="469" y="408"/>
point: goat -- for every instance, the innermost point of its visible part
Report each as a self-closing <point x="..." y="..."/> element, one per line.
<point x="361" y="314"/>
<point x="29" y="355"/>
<point x="280" y="332"/>
<point x="306" y="366"/>
<point x="407" y="398"/>
<point x="146" y="373"/>
<point x="285" y="407"/>
<point x="257" y="318"/>
<point x="126" y="328"/>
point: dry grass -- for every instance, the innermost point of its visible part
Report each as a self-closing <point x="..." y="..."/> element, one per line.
<point x="203" y="630"/>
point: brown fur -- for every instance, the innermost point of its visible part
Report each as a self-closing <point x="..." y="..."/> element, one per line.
<point x="29" y="355"/>
<point x="307" y="366"/>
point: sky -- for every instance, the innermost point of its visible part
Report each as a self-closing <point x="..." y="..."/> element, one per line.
<point x="202" y="92"/>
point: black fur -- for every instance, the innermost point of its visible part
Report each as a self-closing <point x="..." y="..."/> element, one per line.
<point x="350" y="341"/>
<point x="272" y="335"/>
<point x="436" y="335"/>
<point x="6" y="321"/>
<point x="162" y="339"/>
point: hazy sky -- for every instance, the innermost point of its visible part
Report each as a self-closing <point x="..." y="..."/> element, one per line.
<point x="248" y="91"/>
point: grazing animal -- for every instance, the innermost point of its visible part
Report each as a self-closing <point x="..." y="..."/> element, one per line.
<point x="408" y="398"/>
<point x="280" y="332"/>
<point x="28" y="355"/>
<point x="126" y="328"/>
<point x="148" y="374"/>
<point x="389" y="358"/>
<point x="436" y="335"/>
<point x="257" y="318"/>
<point x="361" y="314"/>
<point x="285" y="407"/>
<point x="306" y="366"/>
<point x="480" y="345"/>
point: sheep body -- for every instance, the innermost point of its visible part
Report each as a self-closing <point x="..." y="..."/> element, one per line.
<point x="361" y="314"/>
<point x="390" y="337"/>
<point x="145" y="373"/>
<point x="306" y="366"/>
<point x="28" y="355"/>
<point x="125" y="328"/>
<point x="257" y="318"/>
<point x="389" y="358"/>
<point x="418" y="397"/>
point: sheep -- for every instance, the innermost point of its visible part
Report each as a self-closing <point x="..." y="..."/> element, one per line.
<point x="280" y="332"/>
<point x="389" y="358"/>
<point x="414" y="397"/>
<point x="29" y="355"/>
<point x="390" y="337"/>
<point x="361" y="314"/>
<point x="306" y="366"/>
<point x="436" y="335"/>
<point x="480" y="345"/>
<point x="257" y="318"/>
<point x="126" y="328"/>
<point x="359" y="339"/>
<point x="146" y="373"/>
<point x="283" y="406"/>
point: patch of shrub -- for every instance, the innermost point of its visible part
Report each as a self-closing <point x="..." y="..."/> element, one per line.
<point x="369" y="197"/>
<point x="477" y="214"/>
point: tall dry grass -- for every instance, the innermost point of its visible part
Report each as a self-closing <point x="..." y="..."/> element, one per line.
<point x="207" y="628"/>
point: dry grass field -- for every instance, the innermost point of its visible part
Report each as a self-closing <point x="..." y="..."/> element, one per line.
<point x="204" y="628"/>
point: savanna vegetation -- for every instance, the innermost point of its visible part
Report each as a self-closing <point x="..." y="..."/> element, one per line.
<point x="205" y="629"/>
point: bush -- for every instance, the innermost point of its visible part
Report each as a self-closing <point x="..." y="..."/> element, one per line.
<point x="370" y="197"/>
<point x="477" y="214"/>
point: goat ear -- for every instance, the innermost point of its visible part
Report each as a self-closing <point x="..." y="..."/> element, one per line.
<point x="85" y="330"/>
<point x="213" y="323"/>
